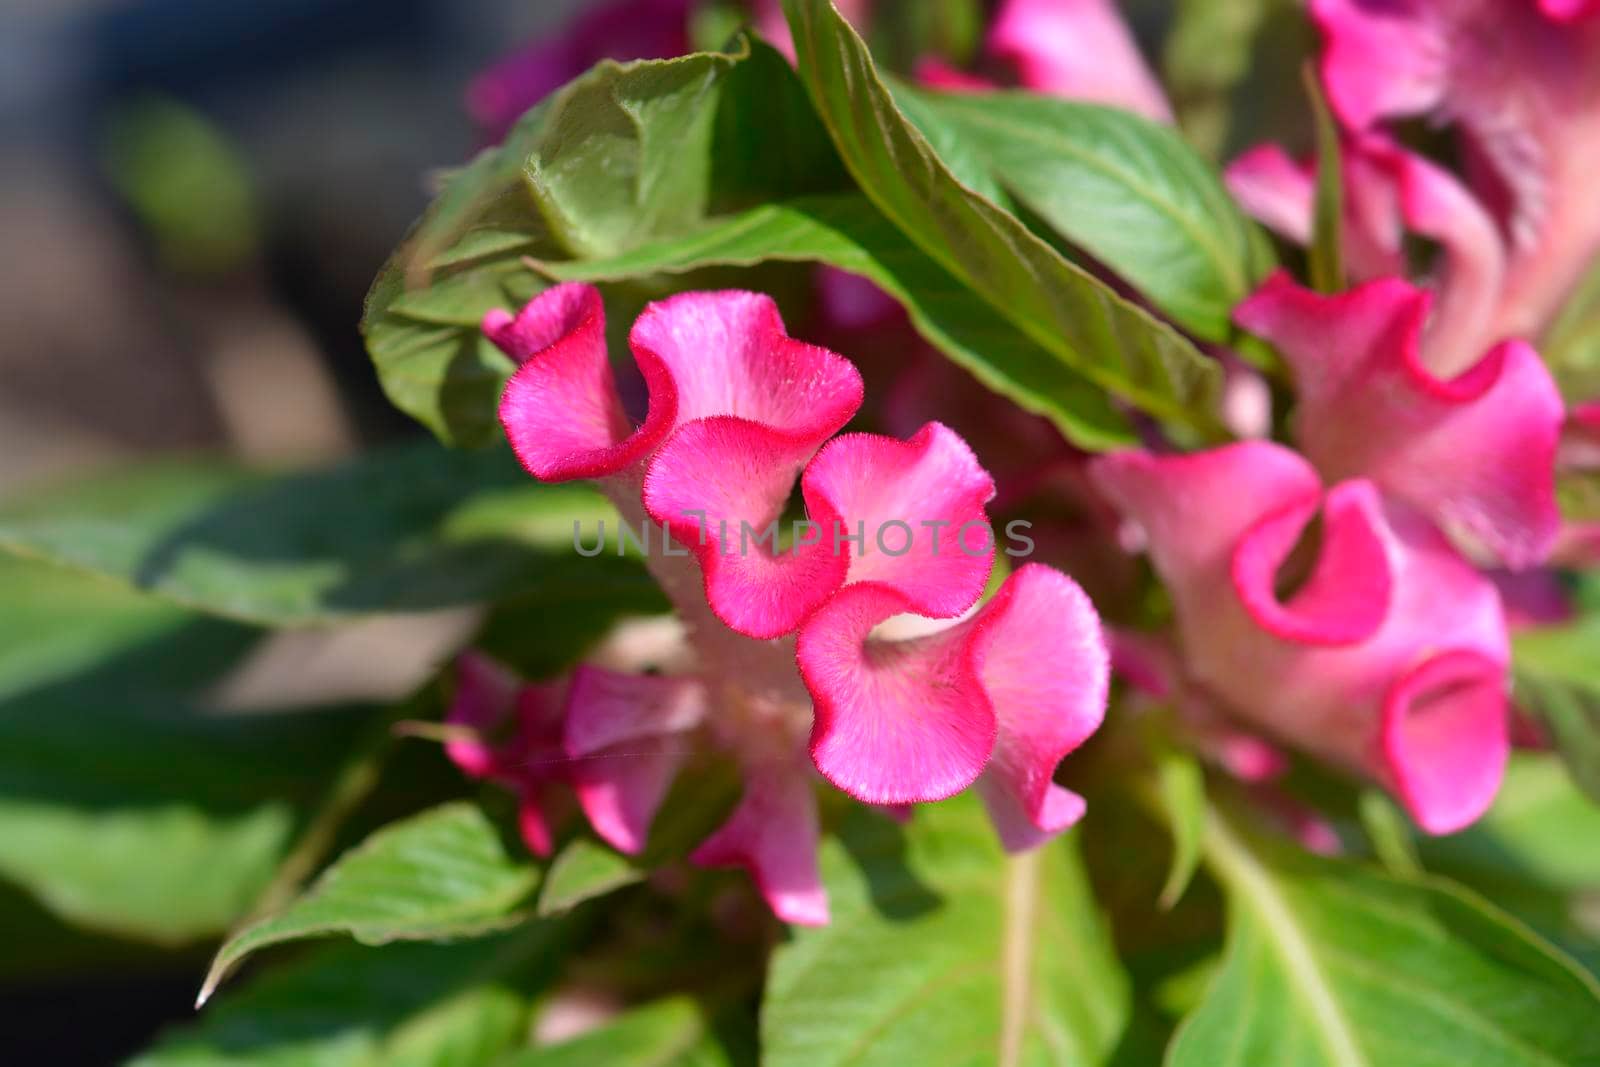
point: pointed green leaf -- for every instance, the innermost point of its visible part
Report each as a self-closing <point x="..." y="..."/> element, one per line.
<point x="108" y="758"/>
<point x="1127" y="191"/>
<point x="442" y="874"/>
<point x="849" y="233"/>
<point x="402" y="1005"/>
<point x="407" y="529"/>
<point x="942" y="949"/>
<point x="1074" y="316"/>
<point x="1329" y="964"/>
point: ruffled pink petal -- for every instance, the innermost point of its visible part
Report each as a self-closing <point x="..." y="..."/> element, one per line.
<point x="607" y="708"/>
<point x="1275" y="190"/>
<point x="624" y="736"/>
<point x="1043" y="664"/>
<point x="1476" y="452"/>
<point x="1523" y="88"/>
<point x="720" y="485"/>
<point x="701" y="354"/>
<point x="773" y="834"/>
<point x="486" y="694"/>
<point x="754" y="406"/>
<point x="1382" y="59"/>
<point x="1080" y="49"/>
<point x="560" y="410"/>
<point x="1346" y="596"/>
<point x="533" y="822"/>
<point x="1279" y="192"/>
<point x="1335" y="701"/>
<point x="912" y="512"/>
<point x="728" y="353"/>
<point x="1472" y="273"/>
<point x="1446" y="738"/>
<point x="896" y="722"/>
<point x="899" y="722"/>
<point x="621" y="789"/>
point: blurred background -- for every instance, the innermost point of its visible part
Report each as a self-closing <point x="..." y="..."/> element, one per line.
<point x="194" y="197"/>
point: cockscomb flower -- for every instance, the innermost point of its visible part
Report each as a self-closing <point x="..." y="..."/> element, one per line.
<point x="1475" y="452"/>
<point x="794" y="668"/>
<point x="1077" y="49"/>
<point x="1521" y="82"/>
<point x="1389" y="659"/>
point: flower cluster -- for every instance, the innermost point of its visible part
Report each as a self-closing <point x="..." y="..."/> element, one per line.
<point x="880" y="670"/>
<point x="1520" y="81"/>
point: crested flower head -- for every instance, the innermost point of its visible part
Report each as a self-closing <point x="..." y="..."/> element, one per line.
<point x="1520" y="81"/>
<point x="1476" y="452"/>
<point x="1390" y="657"/>
<point x="795" y="662"/>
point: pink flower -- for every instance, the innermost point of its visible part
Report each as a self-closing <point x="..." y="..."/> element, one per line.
<point x="1076" y="49"/>
<point x="1079" y="49"/>
<point x="792" y="667"/>
<point x="1389" y="660"/>
<point x="1523" y="89"/>
<point x="518" y="742"/>
<point x="1475" y="452"/>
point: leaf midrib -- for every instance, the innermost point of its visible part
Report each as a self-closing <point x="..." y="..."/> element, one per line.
<point x="1166" y="205"/>
<point x="1256" y="891"/>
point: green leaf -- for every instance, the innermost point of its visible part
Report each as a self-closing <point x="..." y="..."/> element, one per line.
<point x="1558" y="680"/>
<point x="1327" y="228"/>
<point x="941" y="949"/>
<point x="582" y="870"/>
<point x="1078" y="319"/>
<point x="1330" y="963"/>
<point x="442" y="874"/>
<point x="1129" y="192"/>
<point x="1571" y="346"/>
<point x="1182" y="787"/>
<point x="849" y="233"/>
<point x="624" y="154"/>
<point x="408" y="529"/>
<point x="403" y="1005"/>
<point x="1521" y="854"/>
<point x="108" y="759"/>
<point x="674" y="1032"/>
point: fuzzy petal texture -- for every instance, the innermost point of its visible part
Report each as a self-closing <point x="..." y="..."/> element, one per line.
<point x="1524" y="90"/>
<point x="1045" y="668"/>
<point x="1476" y="452"/>
<point x="897" y="722"/>
<point x="701" y="354"/>
<point x="560" y="410"/>
<point x="753" y="406"/>
<point x="773" y="834"/>
<point x="1079" y="49"/>
<point x="1012" y="689"/>
<point x="625" y="736"/>
<point x="1418" y="705"/>
<point x="907" y="515"/>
